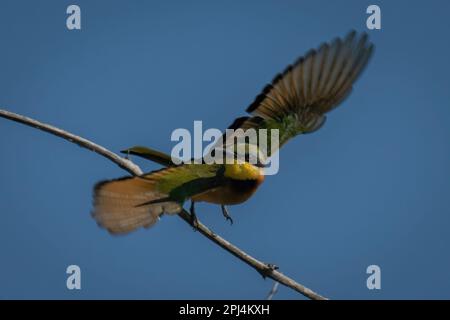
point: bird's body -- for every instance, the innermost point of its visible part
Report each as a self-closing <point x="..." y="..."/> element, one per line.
<point x="294" y="103"/>
<point x="240" y="183"/>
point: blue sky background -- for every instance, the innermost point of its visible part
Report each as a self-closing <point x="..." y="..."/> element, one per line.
<point x="371" y="187"/>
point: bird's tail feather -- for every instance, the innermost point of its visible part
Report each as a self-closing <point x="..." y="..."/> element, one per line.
<point x="118" y="204"/>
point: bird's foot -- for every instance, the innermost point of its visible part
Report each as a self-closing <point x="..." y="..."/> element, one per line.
<point x="272" y="267"/>
<point x="194" y="220"/>
<point x="127" y="155"/>
<point x="226" y="214"/>
<point x="269" y="268"/>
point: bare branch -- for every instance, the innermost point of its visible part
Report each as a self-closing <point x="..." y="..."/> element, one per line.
<point x="121" y="162"/>
<point x="266" y="270"/>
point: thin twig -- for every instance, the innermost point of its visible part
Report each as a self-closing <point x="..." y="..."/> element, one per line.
<point x="266" y="270"/>
<point x="121" y="162"/>
<point x="273" y="291"/>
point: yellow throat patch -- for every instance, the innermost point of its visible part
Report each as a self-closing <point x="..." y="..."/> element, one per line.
<point x="242" y="171"/>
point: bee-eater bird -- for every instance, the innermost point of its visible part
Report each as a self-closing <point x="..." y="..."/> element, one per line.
<point x="295" y="102"/>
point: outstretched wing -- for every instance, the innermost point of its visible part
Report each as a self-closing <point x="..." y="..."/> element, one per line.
<point x="297" y="99"/>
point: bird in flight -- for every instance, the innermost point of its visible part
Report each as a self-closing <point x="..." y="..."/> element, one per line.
<point x="295" y="102"/>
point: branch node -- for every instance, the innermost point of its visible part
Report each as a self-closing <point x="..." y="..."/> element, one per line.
<point x="267" y="270"/>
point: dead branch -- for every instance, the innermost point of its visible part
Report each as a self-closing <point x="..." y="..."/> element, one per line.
<point x="266" y="270"/>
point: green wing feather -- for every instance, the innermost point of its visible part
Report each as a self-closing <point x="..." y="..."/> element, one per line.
<point x="178" y="182"/>
<point x="187" y="180"/>
<point x="150" y="154"/>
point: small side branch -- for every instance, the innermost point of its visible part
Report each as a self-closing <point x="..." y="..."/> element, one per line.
<point x="264" y="269"/>
<point x="273" y="291"/>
